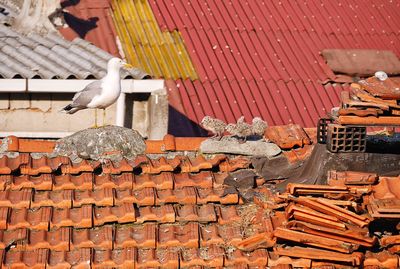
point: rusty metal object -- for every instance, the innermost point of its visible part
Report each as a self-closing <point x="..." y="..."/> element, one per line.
<point x="346" y="139"/>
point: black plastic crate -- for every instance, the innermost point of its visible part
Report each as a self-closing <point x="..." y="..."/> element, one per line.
<point x="346" y="139"/>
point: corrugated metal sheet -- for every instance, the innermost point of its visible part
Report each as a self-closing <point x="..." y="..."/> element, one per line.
<point x="262" y="58"/>
<point x="50" y="57"/>
<point x="162" y="54"/>
<point x="99" y="11"/>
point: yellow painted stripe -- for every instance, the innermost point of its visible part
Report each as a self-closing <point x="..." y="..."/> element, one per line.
<point x="161" y="54"/>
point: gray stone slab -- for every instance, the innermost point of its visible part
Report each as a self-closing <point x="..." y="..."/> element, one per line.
<point x="232" y="146"/>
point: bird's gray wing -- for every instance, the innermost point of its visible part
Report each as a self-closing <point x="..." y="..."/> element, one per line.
<point x="85" y="96"/>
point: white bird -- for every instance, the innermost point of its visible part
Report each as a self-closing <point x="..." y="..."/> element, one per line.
<point x="382" y="76"/>
<point x="101" y="93"/>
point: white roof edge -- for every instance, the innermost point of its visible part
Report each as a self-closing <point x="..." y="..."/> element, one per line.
<point x="72" y="85"/>
<point x="23" y="134"/>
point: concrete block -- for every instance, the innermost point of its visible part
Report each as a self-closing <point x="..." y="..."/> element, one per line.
<point x="20" y="100"/>
<point x="4" y="100"/>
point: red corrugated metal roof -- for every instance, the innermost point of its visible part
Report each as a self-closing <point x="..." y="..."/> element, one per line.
<point x="262" y="58"/>
<point x="104" y="35"/>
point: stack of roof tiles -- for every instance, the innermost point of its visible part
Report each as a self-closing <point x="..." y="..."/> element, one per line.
<point x="371" y="101"/>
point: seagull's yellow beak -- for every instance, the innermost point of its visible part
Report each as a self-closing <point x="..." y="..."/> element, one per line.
<point x="126" y="65"/>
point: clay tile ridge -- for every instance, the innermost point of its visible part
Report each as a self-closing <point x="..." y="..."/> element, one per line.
<point x="168" y="143"/>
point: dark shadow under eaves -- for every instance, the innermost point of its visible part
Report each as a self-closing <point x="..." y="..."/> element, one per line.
<point x="80" y="26"/>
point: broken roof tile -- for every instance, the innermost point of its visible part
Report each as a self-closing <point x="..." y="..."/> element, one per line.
<point x="287" y="136"/>
<point x="233" y="164"/>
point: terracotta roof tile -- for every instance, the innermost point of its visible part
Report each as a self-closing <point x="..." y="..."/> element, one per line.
<point x="185" y="195"/>
<point x="117" y="258"/>
<point x="79" y="258"/>
<point x="159" y="257"/>
<point x="200" y="213"/>
<point x="26" y="259"/>
<point x="78" y="217"/>
<point x="203" y="179"/>
<point x="217" y="196"/>
<point x="178" y="235"/>
<point x="117" y="168"/>
<point x="144" y="197"/>
<point x="287" y="136"/>
<point x="56" y="240"/>
<point x="162" y="181"/>
<point x="3" y="217"/>
<point x="77" y="168"/>
<point x="98" y="237"/>
<point x="143" y="236"/>
<point x="16" y="199"/>
<point x="13" y="237"/>
<point x="37" y="219"/>
<point x="40" y="183"/>
<point x="99" y="197"/>
<point x="258" y="257"/>
<point x="124" y="213"/>
<point x="162" y="214"/>
<point x="73" y="182"/>
<point x="56" y="199"/>
<point x="123" y="181"/>
<point x="9" y="165"/>
<point x="212" y="256"/>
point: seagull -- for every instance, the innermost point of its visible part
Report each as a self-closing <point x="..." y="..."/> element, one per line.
<point x="241" y="129"/>
<point x="101" y="93"/>
<point x="216" y="126"/>
<point x="258" y="127"/>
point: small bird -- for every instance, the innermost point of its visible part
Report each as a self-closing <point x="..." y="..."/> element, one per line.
<point x="258" y="127"/>
<point x="382" y="76"/>
<point x="101" y="93"/>
<point x="241" y="129"/>
<point x="215" y="126"/>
